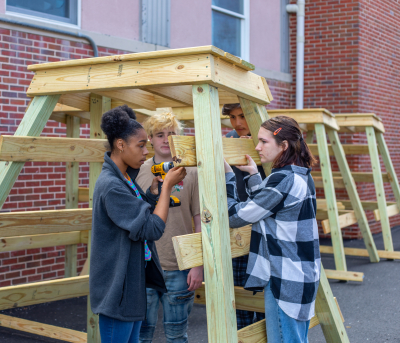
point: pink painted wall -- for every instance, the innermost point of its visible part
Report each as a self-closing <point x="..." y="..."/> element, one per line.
<point x="119" y="18"/>
<point x="265" y="34"/>
<point x="190" y="23"/>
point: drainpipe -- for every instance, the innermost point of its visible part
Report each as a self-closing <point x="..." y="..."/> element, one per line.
<point x="299" y="9"/>
<point x="44" y="28"/>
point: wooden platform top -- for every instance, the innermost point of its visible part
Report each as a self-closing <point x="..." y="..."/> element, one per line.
<point x="357" y="122"/>
<point x="303" y="111"/>
<point x="207" y="49"/>
<point x="357" y="115"/>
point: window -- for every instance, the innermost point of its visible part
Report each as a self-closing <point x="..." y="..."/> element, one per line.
<point x="230" y="26"/>
<point x="156" y="22"/>
<point x="59" y="10"/>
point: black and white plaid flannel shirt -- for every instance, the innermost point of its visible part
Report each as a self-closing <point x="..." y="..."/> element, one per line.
<point x="284" y="246"/>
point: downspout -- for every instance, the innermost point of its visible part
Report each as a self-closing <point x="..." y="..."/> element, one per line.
<point x="299" y="9"/>
<point x="44" y="28"/>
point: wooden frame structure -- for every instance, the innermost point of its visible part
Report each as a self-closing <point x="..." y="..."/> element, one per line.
<point x="202" y="77"/>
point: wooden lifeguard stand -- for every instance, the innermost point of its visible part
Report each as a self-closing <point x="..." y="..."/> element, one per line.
<point x="202" y="77"/>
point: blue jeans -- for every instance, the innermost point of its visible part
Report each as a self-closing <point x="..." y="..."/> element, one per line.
<point x="177" y="304"/>
<point x="280" y="327"/>
<point x="116" y="331"/>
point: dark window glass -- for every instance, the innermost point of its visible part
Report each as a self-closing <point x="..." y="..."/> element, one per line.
<point x="226" y="33"/>
<point x="231" y="5"/>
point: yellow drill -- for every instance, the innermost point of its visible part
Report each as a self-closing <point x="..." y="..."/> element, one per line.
<point x="162" y="169"/>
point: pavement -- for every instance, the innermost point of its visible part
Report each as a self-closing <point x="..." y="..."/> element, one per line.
<point x="371" y="309"/>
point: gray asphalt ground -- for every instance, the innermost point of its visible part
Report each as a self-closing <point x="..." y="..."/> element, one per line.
<point x="371" y="309"/>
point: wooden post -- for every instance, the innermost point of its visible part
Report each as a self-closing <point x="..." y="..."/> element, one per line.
<point x="392" y="176"/>
<point x="98" y="105"/>
<point x="255" y="115"/>
<point x="329" y="190"/>
<point x="32" y="124"/>
<point x="310" y="137"/>
<point x="221" y="316"/>
<point x="328" y="313"/>
<point x="71" y="194"/>
<point x="351" y="189"/>
<point x="379" y="188"/>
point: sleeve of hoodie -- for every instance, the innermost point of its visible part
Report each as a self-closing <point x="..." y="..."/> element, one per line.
<point x="262" y="202"/>
<point x="133" y="214"/>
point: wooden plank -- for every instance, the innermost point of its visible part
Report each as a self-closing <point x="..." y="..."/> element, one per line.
<point x="136" y="98"/>
<point x="391" y="211"/>
<point x="330" y="196"/>
<point x="71" y="196"/>
<point x="360" y="121"/>
<point x="189" y="252"/>
<point x="357" y="176"/>
<point x="51" y="149"/>
<point x="367" y="205"/>
<point x="322" y="214"/>
<point x="255" y="115"/>
<point x="74" y="102"/>
<point x="349" y="149"/>
<point x="61" y="117"/>
<point x="32" y="124"/>
<point x="379" y="188"/>
<point x="391" y="173"/>
<point x="344" y="221"/>
<point x="337" y="182"/>
<point x="85" y="268"/>
<point x="43" y="222"/>
<point x="351" y="189"/>
<point x="221" y="315"/>
<point x="393" y="255"/>
<point x="345" y="276"/>
<point x="83" y="195"/>
<point x="321" y="205"/>
<point x="39" y="241"/>
<point x="183" y="150"/>
<point x="329" y="316"/>
<point x="40" y="329"/>
<point x="42" y="292"/>
<point x="182" y="94"/>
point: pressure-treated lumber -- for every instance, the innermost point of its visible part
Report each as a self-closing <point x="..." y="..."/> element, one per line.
<point x="367" y="205"/>
<point x="393" y="255"/>
<point x="379" y="188"/>
<point x="183" y="150"/>
<point x="136" y="98"/>
<point x="349" y="149"/>
<point x="16" y="243"/>
<point x="32" y="124"/>
<point x="75" y="102"/>
<point x="181" y="94"/>
<point x="337" y="182"/>
<point x="345" y="220"/>
<point x="45" y="330"/>
<point x="83" y="195"/>
<point x="61" y="117"/>
<point x="43" y="222"/>
<point x="357" y="176"/>
<point x="329" y="190"/>
<point x="345" y="276"/>
<point x="221" y="316"/>
<point x="351" y="189"/>
<point x="391" y="211"/>
<point x="359" y="121"/>
<point x="44" y="291"/>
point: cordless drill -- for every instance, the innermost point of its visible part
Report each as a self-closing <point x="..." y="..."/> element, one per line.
<point x="162" y="169"/>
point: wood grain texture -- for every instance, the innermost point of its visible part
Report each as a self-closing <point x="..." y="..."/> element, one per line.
<point x="221" y="316"/>
<point x="42" y="292"/>
<point x="61" y="117"/>
<point x="136" y="98"/>
<point x="367" y="205"/>
<point x="83" y="195"/>
<point x="43" y="222"/>
<point x="183" y="149"/>
<point x="182" y="94"/>
<point x="357" y="176"/>
<point x="345" y="220"/>
<point x="74" y="102"/>
<point x="16" y="243"/>
<point x="189" y="251"/>
<point x="330" y="196"/>
<point x="351" y="189"/>
<point x="349" y="149"/>
<point x="40" y="329"/>
<point x="32" y="124"/>
<point x="347" y="276"/>
<point x="393" y="255"/>
<point x="391" y="211"/>
<point x="359" y="121"/>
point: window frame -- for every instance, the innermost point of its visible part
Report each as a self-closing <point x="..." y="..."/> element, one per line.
<point x="46" y="18"/>
<point x="244" y="27"/>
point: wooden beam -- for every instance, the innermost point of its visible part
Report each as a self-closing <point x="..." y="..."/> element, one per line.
<point x="337" y="182"/>
<point x="357" y="176"/>
<point x="221" y="314"/>
<point x="40" y="329"/>
<point x="181" y="94"/>
<point x="391" y="211"/>
<point x="136" y="98"/>
<point x="359" y="121"/>
<point x="367" y="205"/>
<point x="83" y="195"/>
<point x="345" y="276"/>
<point x="44" y="222"/>
<point x="344" y="221"/>
<point x="32" y="124"/>
<point x="61" y="117"/>
<point x="183" y="150"/>
<point x="349" y="149"/>
<point x="392" y="255"/>
<point x="74" y="102"/>
<point x="42" y="292"/>
<point x="39" y="241"/>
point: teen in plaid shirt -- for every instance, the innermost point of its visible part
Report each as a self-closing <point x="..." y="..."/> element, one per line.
<point x="284" y="258"/>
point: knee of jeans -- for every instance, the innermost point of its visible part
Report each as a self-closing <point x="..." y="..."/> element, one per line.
<point x="180" y="298"/>
<point x="174" y="330"/>
<point x="146" y="332"/>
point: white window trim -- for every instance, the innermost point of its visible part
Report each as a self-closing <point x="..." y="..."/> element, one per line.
<point x="48" y="21"/>
<point x="244" y="27"/>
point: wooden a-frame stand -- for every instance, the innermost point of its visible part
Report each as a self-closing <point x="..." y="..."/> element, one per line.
<point x="201" y="77"/>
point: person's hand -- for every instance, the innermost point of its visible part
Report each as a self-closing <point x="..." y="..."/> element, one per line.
<point x="227" y="167"/>
<point x="250" y="168"/>
<point x="195" y="278"/>
<point x="154" y="185"/>
<point x="174" y="176"/>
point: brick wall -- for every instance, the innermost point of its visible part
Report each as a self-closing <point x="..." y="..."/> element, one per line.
<point x="351" y="63"/>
